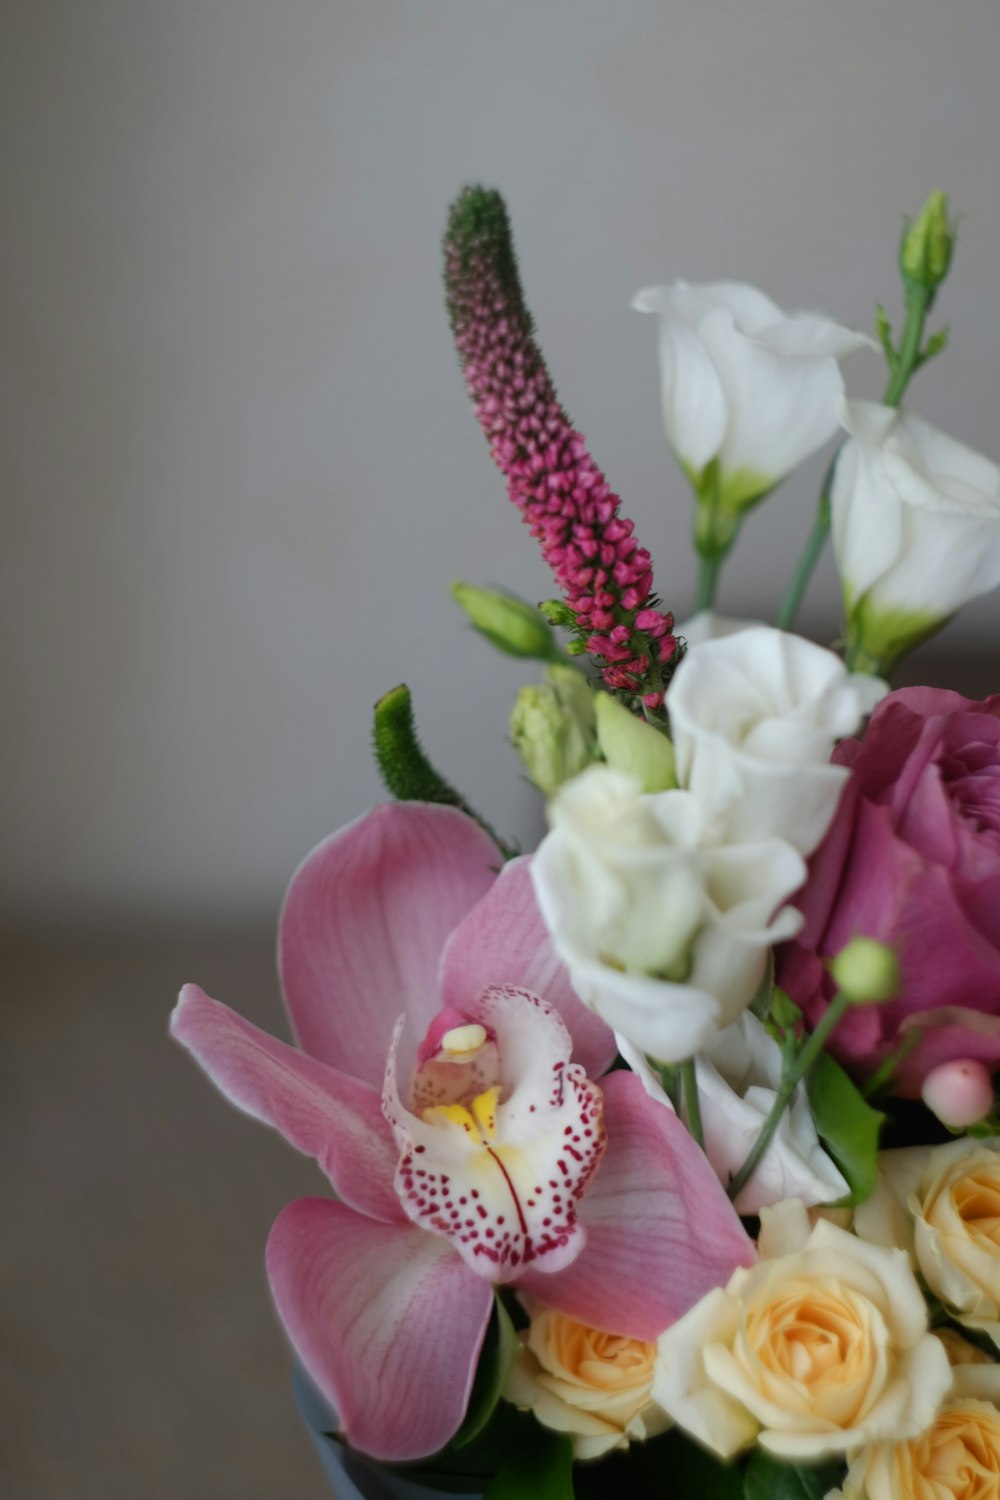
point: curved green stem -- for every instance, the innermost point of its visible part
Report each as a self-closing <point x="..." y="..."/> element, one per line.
<point x="792" y="1075"/>
<point x="692" y="1107"/>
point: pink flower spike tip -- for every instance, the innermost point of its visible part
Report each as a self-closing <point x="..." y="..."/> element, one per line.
<point x="607" y="578"/>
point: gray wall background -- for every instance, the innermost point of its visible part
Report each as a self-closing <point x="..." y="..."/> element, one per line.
<point x="238" y="469"/>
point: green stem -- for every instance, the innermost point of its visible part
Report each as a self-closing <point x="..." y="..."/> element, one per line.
<point x="692" y="1107"/>
<point x="709" y="569"/>
<point x="918" y="304"/>
<point x="792" y="602"/>
<point x="793" y="1074"/>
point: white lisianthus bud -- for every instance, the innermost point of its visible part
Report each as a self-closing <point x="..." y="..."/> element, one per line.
<point x="629" y="744"/>
<point x="754" y="716"/>
<point x="866" y="971"/>
<point x="745" y="386"/>
<point x="553" y="727"/>
<point x="916" y="530"/>
<point x="511" y="624"/>
<point x="663" y="934"/>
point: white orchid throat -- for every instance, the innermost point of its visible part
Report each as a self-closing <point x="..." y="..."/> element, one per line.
<point x="502" y="1136"/>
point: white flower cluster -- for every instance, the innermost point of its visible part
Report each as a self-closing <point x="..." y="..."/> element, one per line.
<point x="663" y="905"/>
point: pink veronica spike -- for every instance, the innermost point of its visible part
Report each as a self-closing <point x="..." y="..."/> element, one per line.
<point x="606" y="576"/>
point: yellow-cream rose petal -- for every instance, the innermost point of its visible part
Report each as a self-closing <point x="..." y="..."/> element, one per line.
<point x="595" y="1386"/>
<point x="822" y="1349"/>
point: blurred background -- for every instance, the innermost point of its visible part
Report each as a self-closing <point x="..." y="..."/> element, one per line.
<point x="238" y="473"/>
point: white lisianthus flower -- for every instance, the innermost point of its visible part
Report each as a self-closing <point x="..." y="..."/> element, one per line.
<point x="738" y="1074"/>
<point x="663" y="934"/>
<point x="754" y="716"/>
<point x="819" y="1349"/>
<point x="916" y="529"/>
<point x="942" y="1204"/>
<point x="744" y="385"/>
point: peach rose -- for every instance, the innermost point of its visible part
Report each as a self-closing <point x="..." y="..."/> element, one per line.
<point x="592" y="1385"/>
<point x="820" y="1348"/>
<point x="957" y="1458"/>
<point x="943" y="1204"/>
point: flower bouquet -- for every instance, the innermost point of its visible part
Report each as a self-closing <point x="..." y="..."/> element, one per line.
<point x="664" y="1159"/>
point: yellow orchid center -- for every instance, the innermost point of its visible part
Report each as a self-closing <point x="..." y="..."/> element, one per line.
<point x="478" y="1118"/>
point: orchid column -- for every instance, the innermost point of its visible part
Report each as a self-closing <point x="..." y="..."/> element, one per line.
<point x="607" y="578"/>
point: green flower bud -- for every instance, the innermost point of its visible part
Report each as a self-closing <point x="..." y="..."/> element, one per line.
<point x="553" y="727"/>
<point x="866" y="972"/>
<point x="925" y="254"/>
<point x="629" y="744"/>
<point x="509" y="623"/>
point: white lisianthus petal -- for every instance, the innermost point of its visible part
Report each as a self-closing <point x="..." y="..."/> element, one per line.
<point x="738" y="1074"/>
<point x="743" y="382"/>
<point x="754" y="717"/>
<point x="916" y="526"/>
<point x="694" y="403"/>
<point x="706" y="625"/>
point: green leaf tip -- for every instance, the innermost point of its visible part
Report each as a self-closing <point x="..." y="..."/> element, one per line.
<point x="404" y="766"/>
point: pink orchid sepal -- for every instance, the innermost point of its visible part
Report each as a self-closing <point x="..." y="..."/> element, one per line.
<point x="402" y="915"/>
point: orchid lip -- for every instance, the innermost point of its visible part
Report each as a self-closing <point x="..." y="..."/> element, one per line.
<point x="502" y="1136"/>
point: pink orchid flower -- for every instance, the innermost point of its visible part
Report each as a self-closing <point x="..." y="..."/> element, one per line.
<point x="404" y="954"/>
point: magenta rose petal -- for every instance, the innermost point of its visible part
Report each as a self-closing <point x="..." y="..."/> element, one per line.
<point x="336" y="1119"/>
<point x="364" y="923"/>
<point x="913" y="859"/>
<point x="504" y="940"/>
<point x="387" y="1320"/>
<point x="660" y="1230"/>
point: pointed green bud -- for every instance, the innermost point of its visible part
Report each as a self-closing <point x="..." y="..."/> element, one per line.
<point x="925" y="254"/>
<point x="629" y="744"/>
<point x="553" y="727"/>
<point x="557" y="613"/>
<point x="509" y="623"/>
<point x="866" y="972"/>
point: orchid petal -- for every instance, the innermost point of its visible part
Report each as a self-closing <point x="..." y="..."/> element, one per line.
<point x="501" y="1177"/>
<point x="387" y="1321"/>
<point x="504" y="940"/>
<point x="336" y="1119"/>
<point x="364" y="923"/>
<point x="661" y="1232"/>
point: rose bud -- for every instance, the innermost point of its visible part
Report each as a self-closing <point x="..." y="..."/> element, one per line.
<point x="960" y="1093"/>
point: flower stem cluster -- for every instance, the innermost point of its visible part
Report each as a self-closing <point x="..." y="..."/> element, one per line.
<point x="606" y="576"/>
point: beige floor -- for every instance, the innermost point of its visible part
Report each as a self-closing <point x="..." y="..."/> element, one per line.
<point x="139" y="1355"/>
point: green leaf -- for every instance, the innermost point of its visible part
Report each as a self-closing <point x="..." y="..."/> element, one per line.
<point x="498" y="1355"/>
<point x="884" y="330"/>
<point x="539" y="1467"/>
<point x="405" y="768"/>
<point x="768" y="1478"/>
<point x="784" y="1012"/>
<point x="847" y="1126"/>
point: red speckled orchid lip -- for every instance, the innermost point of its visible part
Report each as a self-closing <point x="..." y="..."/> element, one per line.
<point x="500" y="1166"/>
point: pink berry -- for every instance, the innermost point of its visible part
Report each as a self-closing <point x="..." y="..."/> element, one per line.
<point x="960" y="1093"/>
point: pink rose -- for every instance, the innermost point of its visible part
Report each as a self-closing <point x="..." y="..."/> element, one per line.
<point x="913" y="859"/>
